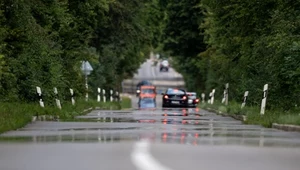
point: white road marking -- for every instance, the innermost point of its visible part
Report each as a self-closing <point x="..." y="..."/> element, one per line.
<point x="142" y="158"/>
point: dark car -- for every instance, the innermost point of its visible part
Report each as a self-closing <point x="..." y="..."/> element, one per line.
<point x="192" y="99"/>
<point x="147" y="102"/>
<point x="142" y="83"/>
<point x="174" y="97"/>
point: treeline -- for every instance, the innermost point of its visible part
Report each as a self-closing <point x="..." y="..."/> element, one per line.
<point x="244" y="43"/>
<point x="42" y="43"/>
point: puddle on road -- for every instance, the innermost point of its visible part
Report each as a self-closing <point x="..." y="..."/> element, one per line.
<point x="159" y="120"/>
<point x="188" y="138"/>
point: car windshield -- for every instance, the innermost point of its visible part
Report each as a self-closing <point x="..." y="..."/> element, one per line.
<point x="175" y="91"/>
<point x="191" y="95"/>
<point x="143" y="83"/>
<point x="148" y="91"/>
<point x="165" y="62"/>
<point x="147" y="103"/>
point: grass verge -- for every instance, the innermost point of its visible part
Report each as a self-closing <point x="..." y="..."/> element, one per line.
<point x="253" y="114"/>
<point x="17" y="115"/>
<point x="126" y="103"/>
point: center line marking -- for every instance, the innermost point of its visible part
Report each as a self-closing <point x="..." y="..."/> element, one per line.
<point x="142" y="158"/>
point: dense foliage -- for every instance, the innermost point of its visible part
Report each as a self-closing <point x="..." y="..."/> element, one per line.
<point x="42" y="43"/>
<point x="247" y="44"/>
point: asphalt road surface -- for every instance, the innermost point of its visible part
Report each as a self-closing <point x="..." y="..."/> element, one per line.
<point x="158" y="139"/>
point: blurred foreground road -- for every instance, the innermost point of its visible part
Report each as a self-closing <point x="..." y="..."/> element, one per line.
<point x="160" y="139"/>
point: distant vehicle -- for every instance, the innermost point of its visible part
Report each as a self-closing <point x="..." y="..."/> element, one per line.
<point x="141" y="83"/>
<point x="164" y="65"/>
<point x="147" y="91"/>
<point x="174" y="97"/>
<point x="147" y="102"/>
<point x="192" y="99"/>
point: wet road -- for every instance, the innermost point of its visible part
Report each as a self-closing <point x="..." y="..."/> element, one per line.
<point x="159" y="139"/>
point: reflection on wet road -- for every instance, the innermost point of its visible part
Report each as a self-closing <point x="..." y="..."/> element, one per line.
<point x="177" y="125"/>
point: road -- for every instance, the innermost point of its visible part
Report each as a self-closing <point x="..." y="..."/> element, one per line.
<point x="160" y="139"/>
<point x="149" y="71"/>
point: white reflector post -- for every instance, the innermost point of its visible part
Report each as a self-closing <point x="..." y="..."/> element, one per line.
<point x="212" y="96"/>
<point x="98" y="96"/>
<point x="209" y="99"/>
<point x="104" y="97"/>
<point x="224" y="96"/>
<point x="55" y="91"/>
<point x="72" y="96"/>
<point x="117" y="96"/>
<point x="111" y="95"/>
<point x="39" y="91"/>
<point x="56" y="98"/>
<point x="245" y="99"/>
<point x="264" y="100"/>
<point x="58" y="103"/>
<point x="226" y="93"/>
<point x="203" y="97"/>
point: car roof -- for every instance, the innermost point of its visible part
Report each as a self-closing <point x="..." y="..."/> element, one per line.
<point x="175" y="89"/>
<point x="147" y="87"/>
<point x="144" y="82"/>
